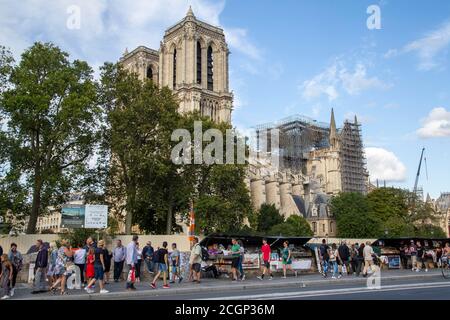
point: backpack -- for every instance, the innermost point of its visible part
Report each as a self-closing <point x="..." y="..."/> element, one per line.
<point x="205" y="254"/>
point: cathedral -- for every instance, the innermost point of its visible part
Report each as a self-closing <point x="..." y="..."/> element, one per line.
<point x="192" y="61"/>
<point x="317" y="160"/>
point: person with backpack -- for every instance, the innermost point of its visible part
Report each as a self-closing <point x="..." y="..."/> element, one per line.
<point x="162" y="266"/>
<point x="324" y="257"/>
<point x="195" y="260"/>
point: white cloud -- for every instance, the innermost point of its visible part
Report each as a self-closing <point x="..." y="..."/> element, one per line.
<point x="429" y="48"/>
<point x="384" y="165"/>
<point x="107" y="27"/>
<point x="436" y="124"/>
<point x="337" y="78"/>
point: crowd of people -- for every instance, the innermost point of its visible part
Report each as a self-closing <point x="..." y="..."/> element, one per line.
<point x="54" y="264"/>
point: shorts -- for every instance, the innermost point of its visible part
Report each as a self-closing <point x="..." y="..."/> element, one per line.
<point x="235" y="262"/>
<point x="287" y="261"/>
<point x="267" y="264"/>
<point x="99" y="272"/>
<point x="196" y="267"/>
<point x="162" y="267"/>
<point x="174" y="269"/>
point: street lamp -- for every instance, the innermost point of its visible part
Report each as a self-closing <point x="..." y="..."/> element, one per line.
<point x="386" y="232"/>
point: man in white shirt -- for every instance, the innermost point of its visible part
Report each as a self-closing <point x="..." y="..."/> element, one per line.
<point x="195" y="260"/>
<point x="368" y="259"/>
<point x="132" y="255"/>
<point x="80" y="261"/>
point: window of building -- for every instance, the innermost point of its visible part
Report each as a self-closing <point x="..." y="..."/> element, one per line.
<point x="314" y="225"/>
<point x="323" y="227"/>
<point x="331" y="226"/>
<point x="210" y="68"/>
<point x="199" y="63"/>
<point x="149" y="73"/>
<point x="174" y="68"/>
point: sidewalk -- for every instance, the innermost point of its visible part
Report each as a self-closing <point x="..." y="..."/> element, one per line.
<point x="118" y="291"/>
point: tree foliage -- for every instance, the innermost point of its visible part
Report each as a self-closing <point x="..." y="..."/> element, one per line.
<point x="294" y="226"/>
<point x="48" y="106"/>
<point x="268" y="217"/>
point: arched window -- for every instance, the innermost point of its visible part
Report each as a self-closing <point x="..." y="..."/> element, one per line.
<point x="331" y="226"/>
<point x="150" y="73"/>
<point x="174" y="68"/>
<point x="199" y="63"/>
<point x="210" y="69"/>
<point x="314" y="225"/>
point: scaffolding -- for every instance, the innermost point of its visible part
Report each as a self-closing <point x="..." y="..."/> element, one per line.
<point x="354" y="174"/>
<point x="298" y="135"/>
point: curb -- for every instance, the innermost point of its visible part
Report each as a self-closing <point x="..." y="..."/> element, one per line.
<point x="228" y="287"/>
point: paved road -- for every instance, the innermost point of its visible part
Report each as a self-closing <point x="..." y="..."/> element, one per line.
<point x="394" y="285"/>
<point x="431" y="289"/>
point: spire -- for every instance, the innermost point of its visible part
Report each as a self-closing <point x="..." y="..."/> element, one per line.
<point x="190" y="13"/>
<point x="332" y="128"/>
<point x="126" y="52"/>
<point x="428" y="198"/>
<point x="356" y="119"/>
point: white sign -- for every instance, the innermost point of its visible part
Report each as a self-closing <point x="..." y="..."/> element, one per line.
<point x="96" y="216"/>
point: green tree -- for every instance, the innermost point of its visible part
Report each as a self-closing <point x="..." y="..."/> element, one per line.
<point x="49" y="107"/>
<point x="294" y="226"/>
<point x="268" y="217"/>
<point x="353" y="217"/>
<point x="139" y="120"/>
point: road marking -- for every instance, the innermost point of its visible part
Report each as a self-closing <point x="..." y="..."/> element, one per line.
<point x="330" y="292"/>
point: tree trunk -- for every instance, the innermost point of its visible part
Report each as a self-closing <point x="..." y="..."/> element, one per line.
<point x="31" y="228"/>
<point x="130" y="208"/>
<point x="169" y="216"/>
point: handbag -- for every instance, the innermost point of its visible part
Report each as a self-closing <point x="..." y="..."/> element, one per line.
<point x="131" y="278"/>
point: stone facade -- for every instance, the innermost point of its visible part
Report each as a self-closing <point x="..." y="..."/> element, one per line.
<point x="192" y="61"/>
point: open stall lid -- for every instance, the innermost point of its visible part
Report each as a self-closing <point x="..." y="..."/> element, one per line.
<point x="251" y="240"/>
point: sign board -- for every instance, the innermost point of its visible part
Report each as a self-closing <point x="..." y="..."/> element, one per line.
<point x="394" y="262"/>
<point x="96" y="216"/>
<point x="73" y="216"/>
<point x="301" y="264"/>
<point x="251" y="261"/>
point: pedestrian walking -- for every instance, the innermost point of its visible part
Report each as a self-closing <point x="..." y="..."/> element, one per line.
<point x="138" y="263"/>
<point x="368" y="258"/>
<point x="404" y="256"/>
<point x="107" y="256"/>
<point x="16" y="259"/>
<point x="6" y="276"/>
<point x="195" y="260"/>
<point x="413" y="253"/>
<point x="119" y="255"/>
<point x="324" y="252"/>
<point x="52" y="256"/>
<point x="266" y="256"/>
<point x="421" y="260"/>
<point x="334" y="257"/>
<point x="353" y="257"/>
<point x="79" y="258"/>
<point x="99" y="268"/>
<point x="345" y="258"/>
<point x="40" y="268"/>
<point x="241" y="260"/>
<point x="236" y="254"/>
<point x="360" y="259"/>
<point x="162" y="266"/>
<point x="147" y="255"/>
<point x="64" y="254"/>
<point x="286" y="259"/>
<point x="131" y="260"/>
<point x="90" y="270"/>
<point x="175" y="264"/>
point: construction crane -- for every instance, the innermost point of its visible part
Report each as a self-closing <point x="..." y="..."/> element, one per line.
<point x="417" y="179"/>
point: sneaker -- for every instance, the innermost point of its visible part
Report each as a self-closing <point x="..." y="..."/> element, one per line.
<point x="283" y="277"/>
<point x="166" y="286"/>
<point x="271" y="278"/>
<point x="259" y="277"/>
<point x="5" y="297"/>
<point x="426" y="270"/>
<point x="417" y="270"/>
<point x="153" y="285"/>
<point x="333" y="277"/>
<point x="104" y="291"/>
<point x="243" y="277"/>
<point x="12" y="292"/>
<point x="180" y="279"/>
<point x="90" y="291"/>
<point x="339" y="276"/>
<point x="296" y="274"/>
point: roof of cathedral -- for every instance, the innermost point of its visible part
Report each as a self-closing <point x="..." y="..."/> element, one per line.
<point x="191" y="17"/>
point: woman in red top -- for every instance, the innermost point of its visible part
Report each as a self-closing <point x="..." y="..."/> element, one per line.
<point x="90" y="272"/>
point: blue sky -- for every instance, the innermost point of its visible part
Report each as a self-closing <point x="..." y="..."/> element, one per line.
<point x="293" y="57"/>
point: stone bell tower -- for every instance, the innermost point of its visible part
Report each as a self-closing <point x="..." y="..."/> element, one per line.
<point x="193" y="62"/>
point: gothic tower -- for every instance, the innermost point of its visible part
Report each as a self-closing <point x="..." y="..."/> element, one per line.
<point x="193" y="62"/>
